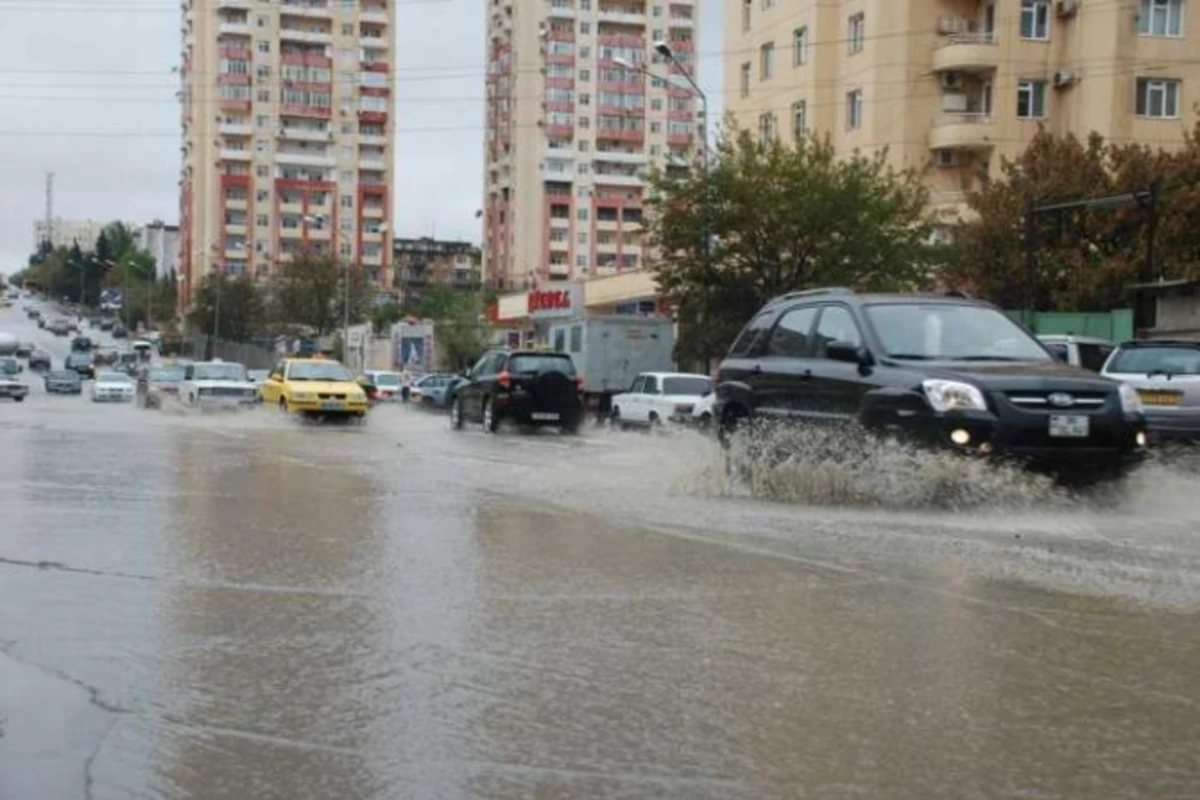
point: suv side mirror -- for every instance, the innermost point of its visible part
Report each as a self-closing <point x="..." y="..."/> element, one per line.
<point x="849" y="353"/>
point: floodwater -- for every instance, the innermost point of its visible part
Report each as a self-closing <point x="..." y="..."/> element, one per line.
<point x="246" y="607"/>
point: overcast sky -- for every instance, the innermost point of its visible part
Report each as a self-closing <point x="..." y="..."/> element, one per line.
<point x="86" y="91"/>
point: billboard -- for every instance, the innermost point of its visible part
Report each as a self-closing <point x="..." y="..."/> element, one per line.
<point x="412" y="353"/>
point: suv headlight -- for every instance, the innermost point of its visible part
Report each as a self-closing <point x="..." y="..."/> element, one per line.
<point x="1131" y="401"/>
<point x="953" y="396"/>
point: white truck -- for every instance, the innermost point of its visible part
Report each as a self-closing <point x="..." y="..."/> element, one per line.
<point x="611" y="351"/>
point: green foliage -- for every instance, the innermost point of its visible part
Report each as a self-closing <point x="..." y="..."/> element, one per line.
<point x="461" y="333"/>
<point x="227" y="308"/>
<point x="1084" y="259"/>
<point x="384" y="316"/>
<point x="781" y="218"/>
<point x="312" y="291"/>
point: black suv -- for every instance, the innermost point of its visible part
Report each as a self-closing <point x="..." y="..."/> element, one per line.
<point x="526" y="386"/>
<point x="943" y="370"/>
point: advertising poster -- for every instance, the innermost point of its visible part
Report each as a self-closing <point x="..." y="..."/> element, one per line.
<point x="412" y="353"/>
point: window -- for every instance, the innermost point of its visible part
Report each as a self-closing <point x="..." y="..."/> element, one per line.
<point x="745" y="79"/>
<point x="1093" y="356"/>
<point x="856" y="32"/>
<point x="1031" y="99"/>
<point x="1157" y="99"/>
<point x="790" y="338"/>
<point x="766" y="127"/>
<point x="262" y="121"/>
<point x="744" y="345"/>
<point x="837" y="325"/>
<point x="347" y="201"/>
<point x="264" y="46"/>
<point x="347" y="29"/>
<point x="766" y="61"/>
<point x="1035" y="19"/>
<point x="799" y="47"/>
<point x="576" y="338"/>
<point x="585" y="28"/>
<point x="746" y="15"/>
<point x="262" y="220"/>
<point x="799" y="119"/>
<point x="1161" y="18"/>
<point x="854" y="110"/>
<point x="262" y="171"/>
<point x="649" y="384"/>
<point x="768" y="4"/>
<point x="263" y="95"/>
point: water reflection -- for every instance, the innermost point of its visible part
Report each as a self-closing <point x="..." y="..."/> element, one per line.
<point x="274" y="635"/>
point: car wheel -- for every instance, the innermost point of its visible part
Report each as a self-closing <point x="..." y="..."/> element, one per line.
<point x="705" y="420"/>
<point x="456" y="415"/>
<point x="490" y="423"/>
<point x="19" y="399"/>
<point x="614" y="419"/>
<point x="733" y="420"/>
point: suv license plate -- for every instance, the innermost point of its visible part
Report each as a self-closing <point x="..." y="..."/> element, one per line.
<point x="544" y="415"/>
<point x="331" y="405"/>
<point x="1069" y="426"/>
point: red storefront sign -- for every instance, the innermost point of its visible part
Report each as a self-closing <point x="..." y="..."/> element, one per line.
<point x="549" y="300"/>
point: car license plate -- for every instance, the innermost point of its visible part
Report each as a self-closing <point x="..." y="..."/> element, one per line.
<point x="1160" y="399"/>
<point x="1069" y="426"/>
<point x="331" y="405"/>
<point x="546" y="416"/>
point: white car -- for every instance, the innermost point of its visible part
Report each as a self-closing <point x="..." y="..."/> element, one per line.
<point x="702" y="412"/>
<point x="113" y="387"/>
<point x="219" y="384"/>
<point x="657" y="397"/>
<point x="386" y="383"/>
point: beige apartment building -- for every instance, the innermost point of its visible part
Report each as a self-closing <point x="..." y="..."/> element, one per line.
<point x="575" y="116"/>
<point x="288" y="115"/>
<point x="957" y="84"/>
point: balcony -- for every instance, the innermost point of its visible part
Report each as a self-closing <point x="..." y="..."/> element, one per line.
<point x="967" y="52"/>
<point x="308" y="36"/>
<point x="373" y="140"/>
<point x="236" y="229"/>
<point x="373" y="211"/>
<point x="231" y="129"/>
<point x="626" y="15"/>
<point x="372" y="164"/>
<point x="233" y="4"/>
<point x="296" y="208"/>
<point x="561" y="11"/>
<point x="378" y="16"/>
<point x="228" y="154"/>
<point x="372" y="41"/>
<point x="617" y="179"/>
<point x="237" y="204"/>
<point x="620" y="157"/>
<point x="965" y="131"/>
<point x="372" y="259"/>
<point x="234" y="29"/>
<point x="305" y="159"/>
<point x="295" y="8"/>
<point x="305" y="134"/>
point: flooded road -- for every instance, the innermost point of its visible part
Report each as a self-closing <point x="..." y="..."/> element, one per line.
<point x="245" y="607"/>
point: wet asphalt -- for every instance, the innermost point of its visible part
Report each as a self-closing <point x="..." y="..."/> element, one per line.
<point x="245" y="607"/>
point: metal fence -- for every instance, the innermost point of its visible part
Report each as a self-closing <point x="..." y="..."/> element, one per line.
<point x="254" y="356"/>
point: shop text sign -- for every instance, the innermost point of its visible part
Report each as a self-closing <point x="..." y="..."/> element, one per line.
<point x="555" y="301"/>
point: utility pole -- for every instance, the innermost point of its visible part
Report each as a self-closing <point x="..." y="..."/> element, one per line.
<point x="346" y="317"/>
<point x="49" y="222"/>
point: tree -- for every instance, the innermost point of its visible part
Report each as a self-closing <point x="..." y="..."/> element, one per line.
<point x="458" y="325"/>
<point x="311" y="290"/>
<point x="1083" y="259"/>
<point x="780" y="218"/>
<point x="384" y="316"/>
<point x="227" y="308"/>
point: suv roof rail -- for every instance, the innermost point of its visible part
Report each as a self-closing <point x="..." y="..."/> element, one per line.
<point x="814" y="292"/>
<point x="957" y="293"/>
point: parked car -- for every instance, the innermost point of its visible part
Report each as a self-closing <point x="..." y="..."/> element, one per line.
<point x="1166" y="375"/>
<point x="39" y="360"/>
<point x="434" y="390"/>
<point x="1088" y="352"/>
<point x="658" y="397"/>
<point x="943" y="371"/>
<point x="386" y="383"/>
<point x="702" y="412"/>
<point x="10" y="366"/>
<point x="13" y="388"/>
<point x="528" y="387"/>
<point x="63" y="381"/>
<point x="113" y="387"/>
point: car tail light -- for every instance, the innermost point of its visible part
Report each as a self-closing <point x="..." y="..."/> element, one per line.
<point x="579" y="382"/>
<point x="504" y="379"/>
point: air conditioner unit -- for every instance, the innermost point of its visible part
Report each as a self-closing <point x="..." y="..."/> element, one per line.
<point x="1064" y="78"/>
<point x="951" y="80"/>
<point x="1066" y="8"/>
<point x="948" y="25"/>
<point x="945" y="157"/>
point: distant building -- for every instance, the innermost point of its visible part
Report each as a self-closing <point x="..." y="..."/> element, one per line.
<point x="161" y="241"/>
<point x="425" y="262"/>
<point x="65" y="232"/>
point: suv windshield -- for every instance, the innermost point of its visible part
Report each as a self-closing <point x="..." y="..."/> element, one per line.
<point x="318" y="371"/>
<point x="950" y="332"/>
<point x="538" y="363"/>
<point x="687" y="386"/>
<point x="1165" y="359"/>
<point x="218" y="372"/>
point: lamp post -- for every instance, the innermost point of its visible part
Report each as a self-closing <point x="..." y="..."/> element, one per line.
<point x="664" y="50"/>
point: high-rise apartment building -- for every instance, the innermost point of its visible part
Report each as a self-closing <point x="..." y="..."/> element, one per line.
<point x="66" y="232"/>
<point x="579" y="105"/>
<point x="959" y="84"/>
<point x="288" y="114"/>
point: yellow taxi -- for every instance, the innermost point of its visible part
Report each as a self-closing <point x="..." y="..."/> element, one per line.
<point x="314" y="387"/>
